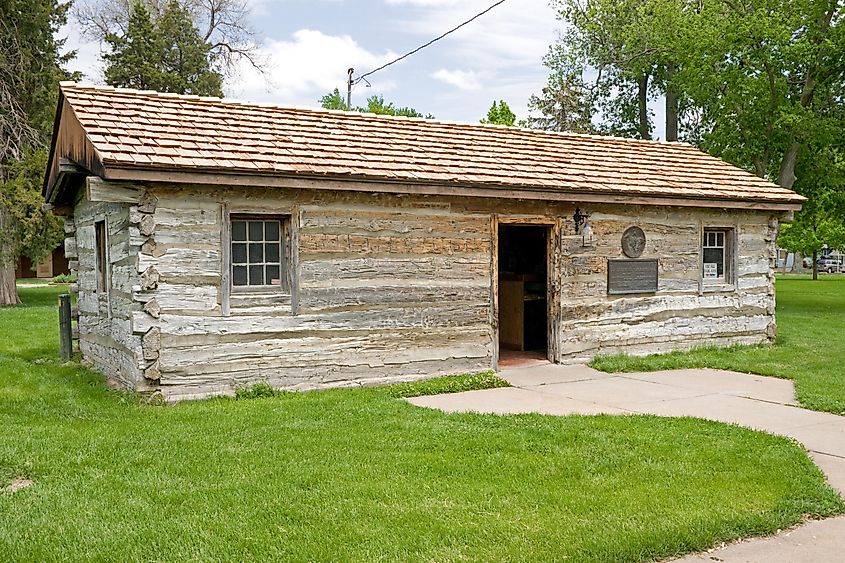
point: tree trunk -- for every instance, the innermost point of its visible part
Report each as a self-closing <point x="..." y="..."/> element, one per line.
<point x="8" y="289"/>
<point x="815" y="265"/>
<point x="671" y="106"/>
<point x="786" y="175"/>
<point x="642" y="96"/>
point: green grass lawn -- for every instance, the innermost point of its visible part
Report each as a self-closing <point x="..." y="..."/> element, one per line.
<point x="809" y="347"/>
<point x="359" y="474"/>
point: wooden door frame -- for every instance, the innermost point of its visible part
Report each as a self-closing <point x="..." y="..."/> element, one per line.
<point x="553" y="230"/>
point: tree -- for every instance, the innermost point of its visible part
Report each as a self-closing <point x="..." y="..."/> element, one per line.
<point x="500" y="114"/>
<point x="333" y="100"/>
<point x="758" y="80"/>
<point x="768" y="77"/>
<point x="618" y="43"/>
<point x="375" y="104"/>
<point x="130" y="63"/>
<point x="167" y="55"/>
<point x="222" y="24"/>
<point x="564" y="105"/>
<point x="821" y="222"/>
<point x="30" y="69"/>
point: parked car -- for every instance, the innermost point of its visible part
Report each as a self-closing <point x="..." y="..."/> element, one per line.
<point x="829" y="265"/>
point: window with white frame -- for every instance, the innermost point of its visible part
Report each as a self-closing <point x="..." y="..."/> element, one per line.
<point x="717" y="255"/>
<point x="259" y="253"/>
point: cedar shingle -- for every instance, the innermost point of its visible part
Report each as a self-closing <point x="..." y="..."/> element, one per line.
<point x="167" y="131"/>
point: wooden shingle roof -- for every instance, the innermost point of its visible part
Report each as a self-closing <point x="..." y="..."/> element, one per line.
<point x="125" y="134"/>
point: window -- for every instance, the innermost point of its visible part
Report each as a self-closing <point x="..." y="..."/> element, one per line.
<point x="717" y="255"/>
<point x="259" y="256"/>
<point x="100" y="246"/>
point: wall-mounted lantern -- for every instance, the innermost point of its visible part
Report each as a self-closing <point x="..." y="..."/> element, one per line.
<point x="583" y="227"/>
<point x="579" y="219"/>
<point x="587" y="235"/>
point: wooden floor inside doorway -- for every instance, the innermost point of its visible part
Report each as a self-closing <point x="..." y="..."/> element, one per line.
<point x="509" y="359"/>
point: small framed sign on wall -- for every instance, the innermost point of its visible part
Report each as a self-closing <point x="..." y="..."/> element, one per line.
<point x="631" y="276"/>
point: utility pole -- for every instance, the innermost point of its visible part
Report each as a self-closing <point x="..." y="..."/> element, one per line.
<point x="349" y="89"/>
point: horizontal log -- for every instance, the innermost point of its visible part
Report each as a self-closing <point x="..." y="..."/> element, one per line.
<point x="97" y="189"/>
<point x="443" y="315"/>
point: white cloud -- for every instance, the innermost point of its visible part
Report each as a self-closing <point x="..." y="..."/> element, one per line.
<point x="303" y="68"/>
<point x="505" y="47"/>
<point x="460" y="79"/>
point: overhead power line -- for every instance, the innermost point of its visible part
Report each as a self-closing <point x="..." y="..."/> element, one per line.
<point x="352" y="82"/>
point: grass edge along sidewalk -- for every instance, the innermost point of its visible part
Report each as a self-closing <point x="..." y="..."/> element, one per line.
<point x="808" y="347"/>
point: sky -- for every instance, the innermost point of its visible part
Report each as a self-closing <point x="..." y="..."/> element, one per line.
<point x="309" y="44"/>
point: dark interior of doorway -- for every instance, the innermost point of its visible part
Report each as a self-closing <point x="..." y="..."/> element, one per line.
<point x="523" y="275"/>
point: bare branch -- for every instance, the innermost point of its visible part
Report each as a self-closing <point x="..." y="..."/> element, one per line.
<point x="222" y="23"/>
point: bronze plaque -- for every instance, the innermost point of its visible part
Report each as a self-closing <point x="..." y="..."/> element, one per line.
<point x="631" y="276"/>
<point x="633" y="242"/>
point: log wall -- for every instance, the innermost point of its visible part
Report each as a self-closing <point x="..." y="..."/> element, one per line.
<point x="105" y="317"/>
<point x="388" y="288"/>
<point x="383" y="289"/>
<point x="685" y="312"/>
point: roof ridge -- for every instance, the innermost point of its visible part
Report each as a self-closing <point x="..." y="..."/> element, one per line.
<point x="369" y="115"/>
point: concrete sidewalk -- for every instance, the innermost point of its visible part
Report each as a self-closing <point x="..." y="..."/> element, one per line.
<point x="762" y="403"/>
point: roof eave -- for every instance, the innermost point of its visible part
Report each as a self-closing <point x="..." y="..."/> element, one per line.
<point x="301" y="181"/>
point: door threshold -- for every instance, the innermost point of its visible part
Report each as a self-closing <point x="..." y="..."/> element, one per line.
<point x="510" y="359"/>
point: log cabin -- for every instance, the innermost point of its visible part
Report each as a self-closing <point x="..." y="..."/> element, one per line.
<point x="219" y="244"/>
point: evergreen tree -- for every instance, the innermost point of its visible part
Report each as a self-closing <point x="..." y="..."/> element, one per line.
<point x="131" y="60"/>
<point x="185" y="56"/>
<point x="166" y="54"/>
<point x="500" y="114"/>
<point x="30" y="69"/>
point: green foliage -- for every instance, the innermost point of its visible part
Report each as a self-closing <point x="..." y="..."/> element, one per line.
<point x="334" y="100"/>
<point x="758" y="83"/>
<point x="64" y="278"/>
<point x="30" y="69"/>
<point x="375" y="104"/>
<point x="258" y="391"/>
<point x="450" y="384"/>
<point x="500" y="114"/>
<point x="811" y="325"/>
<point x="166" y="54"/>
<point x="563" y="105"/>
<point x="346" y="474"/>
<point x="821" y="222"/>
<point x="767" y="79"/>
<point x="28" y="230"/>
<point x="617" y="41"/>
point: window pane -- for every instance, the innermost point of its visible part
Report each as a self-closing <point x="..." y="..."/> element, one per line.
<point x="256" y="275"/>
<point x="256" y="230"/>
<point x="238" y="230"/>
<point x="239" y="275"/>
<point x="720" y="239"/>
<point x="273" y="275"/>
<point x="271" y="253"/>
<point x="256" y="253"/>
<point x="271" y="230"/>
<point x="715" y="256"/>
<point x="238" y="253"/>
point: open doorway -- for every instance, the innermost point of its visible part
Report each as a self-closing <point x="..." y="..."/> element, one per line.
<point x="523" y="307"/>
